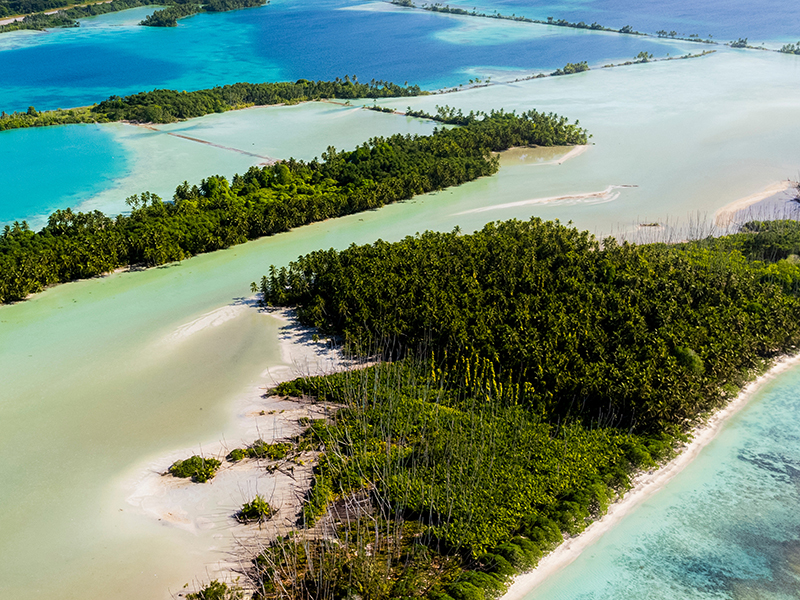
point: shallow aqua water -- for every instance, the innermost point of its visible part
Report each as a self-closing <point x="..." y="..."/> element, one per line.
<point x="54" y="167"/>
<point x="727" y="527"/>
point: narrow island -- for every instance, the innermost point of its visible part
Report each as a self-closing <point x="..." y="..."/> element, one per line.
<point x="219" y="213"/>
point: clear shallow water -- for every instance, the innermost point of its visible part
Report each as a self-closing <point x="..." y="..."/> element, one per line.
<point x="284" y="41"/>
<point x="727" y="527"/>
<point x="97" y="167"/>
<point x="54" y="167"/>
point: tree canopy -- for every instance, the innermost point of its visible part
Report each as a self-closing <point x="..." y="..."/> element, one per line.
<point x="219" y="213"/>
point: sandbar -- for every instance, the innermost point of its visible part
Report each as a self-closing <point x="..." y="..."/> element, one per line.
<point x="607" y="195"/>
<point x="726" y="215"/>
<point x="208" y="509"/>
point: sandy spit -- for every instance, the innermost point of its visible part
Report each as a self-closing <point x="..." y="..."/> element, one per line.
<point x="576" y="151"/>
<point x="644" y="486"/>
<point x="607" y="195"/>
<point x="725" y="215"/>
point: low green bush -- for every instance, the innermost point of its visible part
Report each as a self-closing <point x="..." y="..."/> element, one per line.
<point x="236" y="455"/>
<point x="198" y="468"/>
<point x="261" y="449"/>
<point x="465" y="591"/>
<point x="256" y="510"/>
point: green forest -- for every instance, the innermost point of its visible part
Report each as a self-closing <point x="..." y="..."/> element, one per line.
<point x="38" y="20"/>
<point x="167" y="106"/>
<point x="219" y="213"/>
<point x="168" y="17"/>
<point x="527" y="371"/>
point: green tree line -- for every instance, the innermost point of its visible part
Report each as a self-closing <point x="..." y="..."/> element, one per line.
<point x="168" y="17"/>
<point x="219" y="213"/>
<point x="636" y="336"/>
<point x="166" y="106"/>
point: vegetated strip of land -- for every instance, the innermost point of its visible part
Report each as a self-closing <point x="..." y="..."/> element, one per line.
<point x="41" y="15"/>
<point x="264" y="201"/>
<point x="627" y="29"/>
<point x="168" y="106"/>
<point x="534" y="370"/>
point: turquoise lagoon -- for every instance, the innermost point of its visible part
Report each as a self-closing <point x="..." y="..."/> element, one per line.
<point x="95" y="167"/>
<point x="55" y="167"/>
<point x="691" y="135"/>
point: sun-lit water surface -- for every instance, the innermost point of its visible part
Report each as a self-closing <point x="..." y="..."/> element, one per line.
<point x="48" y="168"/>
<point x="723" y="20"/>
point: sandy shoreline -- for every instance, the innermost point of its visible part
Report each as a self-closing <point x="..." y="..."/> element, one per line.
<point x="726" y="215"/>
<point x="207" y="510"/>
<point x="645" y="485"/>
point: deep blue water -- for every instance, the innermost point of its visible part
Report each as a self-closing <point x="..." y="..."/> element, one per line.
<point x="52" y="167"/>
<point x="292" y="40"/>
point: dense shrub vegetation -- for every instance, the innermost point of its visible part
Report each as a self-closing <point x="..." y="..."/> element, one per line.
<point x="217" y="590"/>
<point x="571" y="69"/>
<point x="552" y="366"/>
<point x="598" y="332"/>
<point x="261" y="449"/>
<point x="166" y="106"/>
<point x="264" y="201"/>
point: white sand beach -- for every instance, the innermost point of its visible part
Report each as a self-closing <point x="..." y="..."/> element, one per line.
<point x="208" y="509"/>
